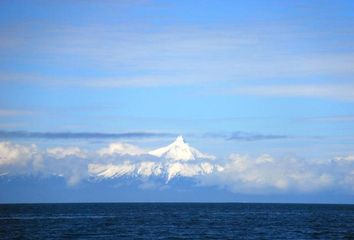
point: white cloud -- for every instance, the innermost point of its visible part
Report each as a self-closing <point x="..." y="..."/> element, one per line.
<point x="266" y="174"/>
<point x="60" y="153"/>
<point x="18" y="159"/>
<point x="121" y="149"/>
<point x="15" y="154"/>
<point x="265" y="158"/>
<point x="343" y="159"/>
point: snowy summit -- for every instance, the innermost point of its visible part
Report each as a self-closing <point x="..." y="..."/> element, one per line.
<point x="179" y="150"/>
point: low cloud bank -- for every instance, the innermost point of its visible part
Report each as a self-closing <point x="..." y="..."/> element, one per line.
<point x="238" y="173"/>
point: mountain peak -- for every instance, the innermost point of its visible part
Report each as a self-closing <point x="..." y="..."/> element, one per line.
<point x="179" y="140"/>
<point x="180" y="151"/>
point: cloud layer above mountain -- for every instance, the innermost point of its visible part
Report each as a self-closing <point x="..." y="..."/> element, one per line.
<point x="237" y="173"/>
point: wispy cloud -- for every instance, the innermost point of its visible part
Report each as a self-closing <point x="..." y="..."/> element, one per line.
<point x="246" y="136"/>
<point x="13" y="112"/>
<point x="338" y="118"/>
<point x="80" y="135"/>
<point x="340" y="92"/>
<point x="177" y="55"/>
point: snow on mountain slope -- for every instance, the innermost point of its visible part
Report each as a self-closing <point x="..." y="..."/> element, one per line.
<point x="150" y="169"/>
<point x="180" y="151"/>
<point x="176" y="159"/>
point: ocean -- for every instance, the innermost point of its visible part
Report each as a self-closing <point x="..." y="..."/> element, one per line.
<point x="176" y="221"/>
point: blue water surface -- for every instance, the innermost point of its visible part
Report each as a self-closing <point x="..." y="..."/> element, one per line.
<point x="176" y="221"/>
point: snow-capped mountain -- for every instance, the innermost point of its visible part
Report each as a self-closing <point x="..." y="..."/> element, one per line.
<point x="179" y="150"/>
<point x="176" y="159"/>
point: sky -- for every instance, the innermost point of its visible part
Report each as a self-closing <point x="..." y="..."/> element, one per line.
<point x="265" y="87"/>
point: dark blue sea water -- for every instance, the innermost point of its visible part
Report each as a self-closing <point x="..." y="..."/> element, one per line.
<point x="176" y="221"/>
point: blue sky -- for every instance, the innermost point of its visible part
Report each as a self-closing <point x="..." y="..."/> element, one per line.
<point x="233" y="77"/>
